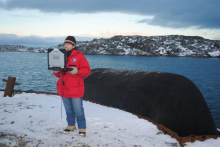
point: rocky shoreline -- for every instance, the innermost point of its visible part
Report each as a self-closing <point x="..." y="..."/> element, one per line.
<point x="171" y="46"/>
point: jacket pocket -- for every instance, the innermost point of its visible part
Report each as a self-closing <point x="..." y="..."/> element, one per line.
<point x="74" y="87"/>
<point x="74" y="91"/>
<point x="58" y="86"/>
<point x="71" y="81"/>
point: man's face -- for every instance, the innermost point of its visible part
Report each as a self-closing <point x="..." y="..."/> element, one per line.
<point x="68" y="46"/>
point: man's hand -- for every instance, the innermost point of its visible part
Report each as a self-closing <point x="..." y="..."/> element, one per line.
<point x="74" y="71"/>
<point x="55" y="71"/>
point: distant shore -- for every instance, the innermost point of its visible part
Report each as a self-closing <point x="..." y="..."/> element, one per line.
<point x="154" y="46"/>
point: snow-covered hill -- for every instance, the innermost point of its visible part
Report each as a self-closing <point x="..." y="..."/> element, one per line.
<point x="173" y="45"/>
<point x="30" y="119"/>
<point x="21" y="48"/>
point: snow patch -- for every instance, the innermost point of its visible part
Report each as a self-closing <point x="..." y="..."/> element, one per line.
<point x="35" y="120"/>
<point x="214" y="53"/>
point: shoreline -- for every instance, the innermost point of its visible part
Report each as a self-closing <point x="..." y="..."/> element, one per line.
<point x="126" y="55"/>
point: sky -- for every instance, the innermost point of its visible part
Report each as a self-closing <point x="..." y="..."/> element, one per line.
<point x="46" y="23"/>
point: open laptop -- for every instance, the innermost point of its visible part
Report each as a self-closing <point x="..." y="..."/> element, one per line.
<point x="57" y="59"/>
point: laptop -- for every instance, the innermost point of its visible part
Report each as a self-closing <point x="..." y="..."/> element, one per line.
<point x="57" y="59"/>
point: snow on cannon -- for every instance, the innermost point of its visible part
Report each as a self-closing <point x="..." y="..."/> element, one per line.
<point x="9" y="89"/>
<point x="170" y="101"/>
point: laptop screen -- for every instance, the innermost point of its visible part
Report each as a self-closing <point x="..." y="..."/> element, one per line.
<point x="57" y="59"/>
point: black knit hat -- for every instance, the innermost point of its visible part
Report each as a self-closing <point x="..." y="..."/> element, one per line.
<point x="70" y="39"/>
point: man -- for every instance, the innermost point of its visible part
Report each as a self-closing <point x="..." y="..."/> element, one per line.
<point x="70" y="86"/>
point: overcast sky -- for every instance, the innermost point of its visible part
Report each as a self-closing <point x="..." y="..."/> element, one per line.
<point x="48" y="22"/>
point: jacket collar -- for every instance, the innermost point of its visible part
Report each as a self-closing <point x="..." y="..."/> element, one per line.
<point x="73" y="52"/>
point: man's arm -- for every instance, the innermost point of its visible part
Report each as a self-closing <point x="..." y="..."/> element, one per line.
<point x="57" y="73"/>
<point x="84" y="68"/>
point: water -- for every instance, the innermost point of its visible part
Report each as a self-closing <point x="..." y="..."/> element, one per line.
<point x="31" y="71"/>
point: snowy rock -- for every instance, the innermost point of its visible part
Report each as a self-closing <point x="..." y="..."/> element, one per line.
<point x="21" y="48"/>
<point x="214" y="53"/>
<point x="171" y="45"/>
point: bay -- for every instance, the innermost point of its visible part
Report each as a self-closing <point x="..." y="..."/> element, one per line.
<point x="31" y="71"/>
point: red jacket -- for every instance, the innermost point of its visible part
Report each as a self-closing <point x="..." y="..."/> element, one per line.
<point x="70" y="85"/>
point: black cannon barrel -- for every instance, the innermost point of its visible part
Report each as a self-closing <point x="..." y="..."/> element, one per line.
<point x="168" y="99"/>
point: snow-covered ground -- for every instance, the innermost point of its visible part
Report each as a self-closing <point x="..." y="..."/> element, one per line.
<point x="214" y="53"/>
<point x="35" y="120"/>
